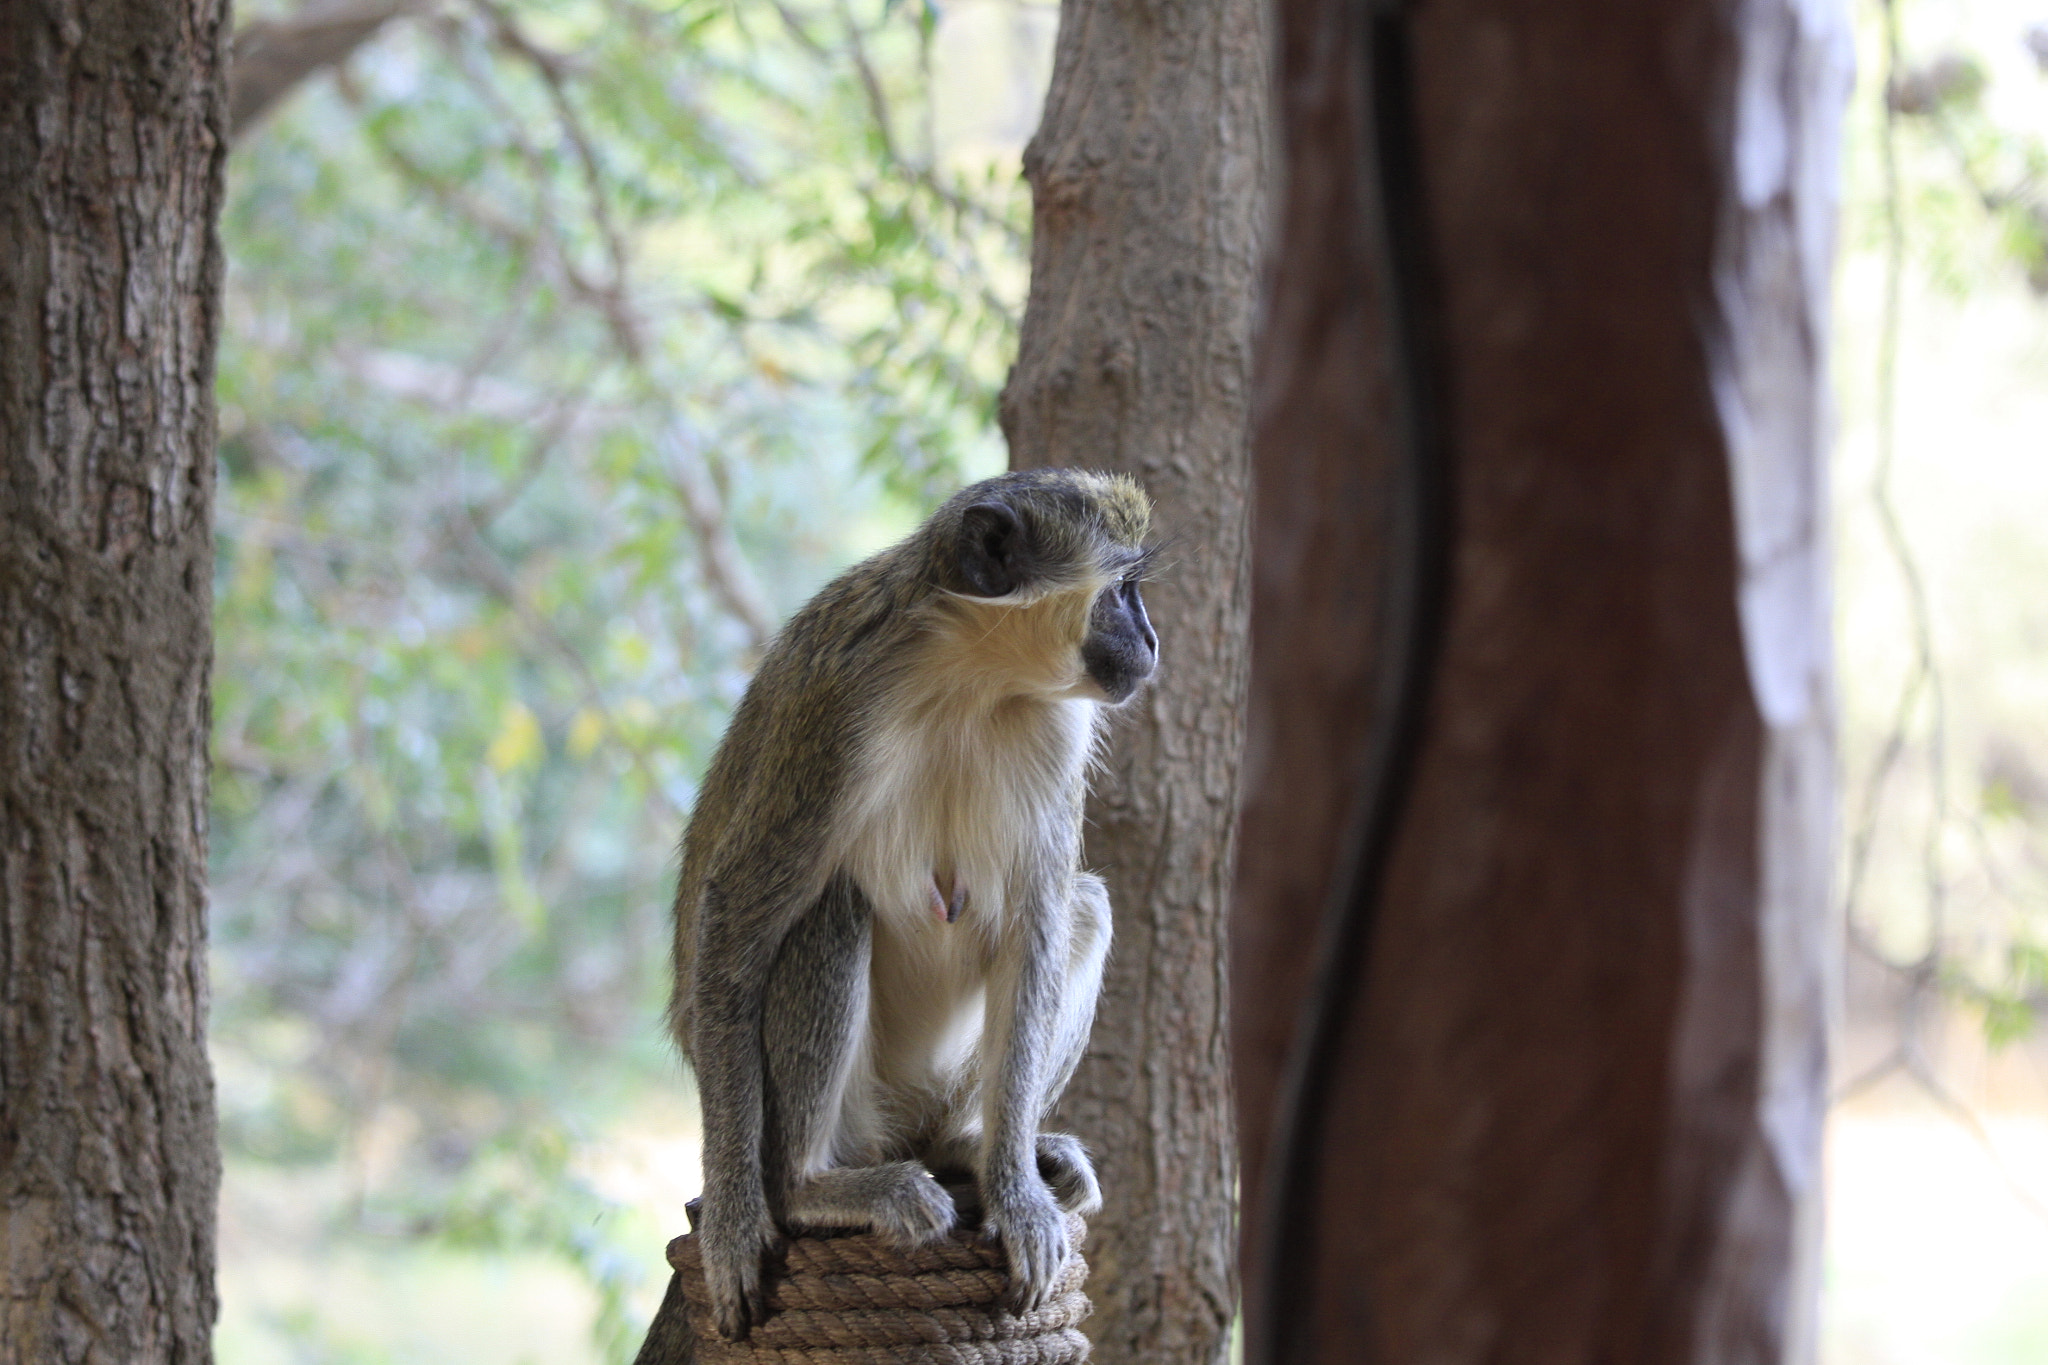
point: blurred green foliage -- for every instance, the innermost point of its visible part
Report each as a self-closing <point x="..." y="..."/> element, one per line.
<point x="1972" y="178"/>
<point x="1945" y="801"/>
<point x="567" y="346"/>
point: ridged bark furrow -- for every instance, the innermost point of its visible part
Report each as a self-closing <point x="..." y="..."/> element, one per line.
<point x="112" y="144"/>
<point x="1148" y="182"/>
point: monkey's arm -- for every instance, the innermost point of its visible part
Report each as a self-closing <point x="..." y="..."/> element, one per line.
<point x="738" y="935"/>
<point x="1027" y="1008"/>
<point x="769" y="867"/>
<point x="745" y="915"/>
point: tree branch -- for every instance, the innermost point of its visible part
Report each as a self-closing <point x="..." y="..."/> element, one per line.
<point x="724" y="565"/>
<point x="273" y="57"/>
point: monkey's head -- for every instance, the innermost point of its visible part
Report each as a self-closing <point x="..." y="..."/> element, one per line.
<point x="1067" y="549"/>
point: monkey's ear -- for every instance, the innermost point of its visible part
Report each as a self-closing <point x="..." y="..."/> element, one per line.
<point x="993" y="557"/>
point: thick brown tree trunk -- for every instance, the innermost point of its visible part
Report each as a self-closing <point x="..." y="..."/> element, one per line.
<point x="113" y="134"/>
<point x="1578" y="1073"/>
<point x="1147" y="174"/>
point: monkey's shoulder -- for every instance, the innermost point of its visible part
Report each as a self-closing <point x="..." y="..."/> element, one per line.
<point x="799" y="726"/>
<point x="833" y="663"/>
<point x="855" y="621"/>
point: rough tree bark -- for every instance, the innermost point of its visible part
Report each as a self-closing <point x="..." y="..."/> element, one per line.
<point x="1580" y="1077"/>
<point x="113" y="136"/>
<point x="1148" y="175"/>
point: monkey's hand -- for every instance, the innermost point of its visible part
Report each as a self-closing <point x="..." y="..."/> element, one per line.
<point x="1063" y="1164"/>
<point x="733" y="1248"/>
<point x="1033" y="1232"/>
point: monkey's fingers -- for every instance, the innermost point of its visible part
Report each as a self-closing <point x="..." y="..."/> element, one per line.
<point x="739" y="1294"/>
<point x="1034" y="1238"/>
<point x="737" y="1302"/>
<point x="731" y="1310"/>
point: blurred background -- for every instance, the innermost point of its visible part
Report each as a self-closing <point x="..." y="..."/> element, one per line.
<point x="570" y="345"/>
<point x="1937" y="1246"/>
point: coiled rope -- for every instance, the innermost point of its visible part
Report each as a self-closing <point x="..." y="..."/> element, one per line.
<point x="853" y="1299"/>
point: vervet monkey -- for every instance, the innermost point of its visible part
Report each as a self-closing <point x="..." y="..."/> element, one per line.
<point x="887" y="953"/>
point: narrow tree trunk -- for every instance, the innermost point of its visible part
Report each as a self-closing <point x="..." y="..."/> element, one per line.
<point x="1579" y="1076"/>
<point x="112" y="142"/>
<point x="1148" y="177"/>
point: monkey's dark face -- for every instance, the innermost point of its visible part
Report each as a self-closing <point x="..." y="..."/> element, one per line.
<point x="1121" y="649"/>
<point x="1065" y="551"/>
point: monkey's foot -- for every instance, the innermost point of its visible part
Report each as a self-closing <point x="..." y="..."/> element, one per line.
<point x="898" y="1200"/>
<point x="1064" y="1165"/>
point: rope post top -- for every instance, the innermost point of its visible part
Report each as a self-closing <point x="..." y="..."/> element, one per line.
<point x="853" y="1299"/>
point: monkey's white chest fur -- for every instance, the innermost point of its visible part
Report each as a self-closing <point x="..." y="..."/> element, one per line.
<point x="979" y="803"/>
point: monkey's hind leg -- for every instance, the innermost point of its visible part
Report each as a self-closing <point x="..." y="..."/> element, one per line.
<point x="812" y="1035"/>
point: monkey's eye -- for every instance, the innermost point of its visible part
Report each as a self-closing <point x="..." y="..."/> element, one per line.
<point x="1137" y="571"/>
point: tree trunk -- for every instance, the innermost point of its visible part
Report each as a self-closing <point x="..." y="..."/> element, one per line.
<point x="1148" y="176"/>
<point x="1578" y="1075"/>
<point x="111" y="158"/>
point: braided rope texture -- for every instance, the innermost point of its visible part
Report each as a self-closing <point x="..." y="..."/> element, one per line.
<point x="852" y="1299"/>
